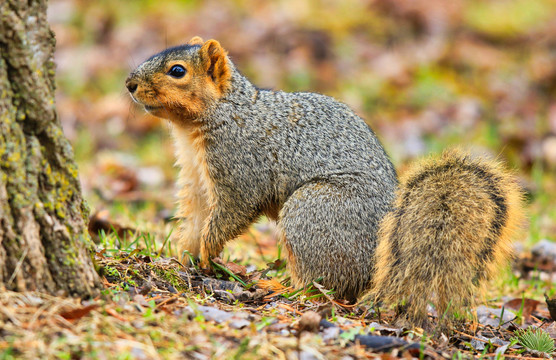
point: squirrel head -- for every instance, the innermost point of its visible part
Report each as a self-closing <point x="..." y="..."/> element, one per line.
<point x="181" y="82"/>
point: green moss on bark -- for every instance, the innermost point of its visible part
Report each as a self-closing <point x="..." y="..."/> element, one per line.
<point x="42" y="213"/>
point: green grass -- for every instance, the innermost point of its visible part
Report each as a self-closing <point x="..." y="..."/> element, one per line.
<point x="535" y="340"/>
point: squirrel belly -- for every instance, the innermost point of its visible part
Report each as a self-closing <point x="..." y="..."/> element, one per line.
<point x="450" y="230"/>
<point x="311" y="164"/>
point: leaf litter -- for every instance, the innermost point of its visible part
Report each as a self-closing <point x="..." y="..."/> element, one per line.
<point x="156" y="307"/>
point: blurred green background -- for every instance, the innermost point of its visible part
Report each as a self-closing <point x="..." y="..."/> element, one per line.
<point x="425" y="74"/>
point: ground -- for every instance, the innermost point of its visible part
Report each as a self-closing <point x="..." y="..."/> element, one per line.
<point x="153" y="306"/>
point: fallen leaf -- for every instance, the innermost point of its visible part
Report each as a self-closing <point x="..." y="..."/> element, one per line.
<point x="491" y="316"/>
<point x="382" y="343"/>
<point x="239" y="323"/>
<point x="233" y="267"/>
<point x="529" y="305"/>
<point x="78" y="313"/>
<point x="272" y="285"/>
<point x="214" y="314"/>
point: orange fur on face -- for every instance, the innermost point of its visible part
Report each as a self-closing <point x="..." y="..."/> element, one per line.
<point x="185" y="99"/>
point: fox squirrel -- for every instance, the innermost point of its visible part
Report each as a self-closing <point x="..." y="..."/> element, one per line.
<point x="312" y="165"/>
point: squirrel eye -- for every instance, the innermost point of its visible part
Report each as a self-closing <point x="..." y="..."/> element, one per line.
<point x="177" y="71"/>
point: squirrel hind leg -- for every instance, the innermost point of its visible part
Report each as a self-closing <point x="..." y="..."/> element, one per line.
<point x="328" y="229"/>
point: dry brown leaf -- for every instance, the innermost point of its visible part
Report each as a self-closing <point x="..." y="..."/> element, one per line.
<point x="78" y="313"/>
<point x="272" y="285"/>
<point x="529" y="305"/>
<point x="236" y="269"/>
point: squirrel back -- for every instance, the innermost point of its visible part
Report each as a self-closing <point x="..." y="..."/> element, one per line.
<point x="450" y="230"/>
<point x="311" y="164"/>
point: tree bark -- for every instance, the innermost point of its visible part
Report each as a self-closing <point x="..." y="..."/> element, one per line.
<point x="43" y="240"/>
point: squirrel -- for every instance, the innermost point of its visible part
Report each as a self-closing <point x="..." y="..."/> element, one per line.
<point x="312" y="165"/>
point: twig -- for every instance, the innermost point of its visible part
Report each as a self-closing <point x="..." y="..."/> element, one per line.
<point x="167" y="300"/>
<point x="476" y="338"/>
<point x="323" y="291"/>
<point x="276" y="293"/>
<point x="287" y="307"/>
<point x="18" y="266"/>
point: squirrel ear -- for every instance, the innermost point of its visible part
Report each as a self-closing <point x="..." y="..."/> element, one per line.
<point x="215" y="63"/>
<point x="195" y="40"/>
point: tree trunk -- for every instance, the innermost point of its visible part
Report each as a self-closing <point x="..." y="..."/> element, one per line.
<point x="43" y="239"/>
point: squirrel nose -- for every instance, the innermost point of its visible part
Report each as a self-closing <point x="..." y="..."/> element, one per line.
<point x="131" y="86"/>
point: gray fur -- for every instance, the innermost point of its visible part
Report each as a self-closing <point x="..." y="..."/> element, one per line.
<point x="307" y="155"/>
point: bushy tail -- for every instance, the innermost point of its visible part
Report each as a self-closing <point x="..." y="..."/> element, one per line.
<point x="450" y="230"/>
